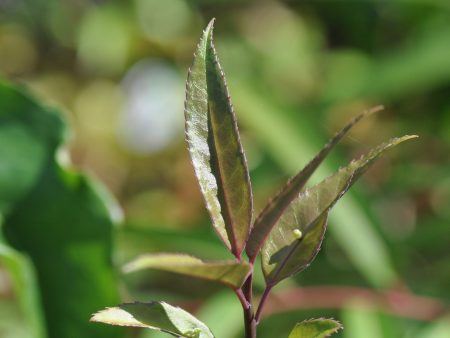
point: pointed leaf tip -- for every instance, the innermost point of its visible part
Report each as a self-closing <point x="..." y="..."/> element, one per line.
<point x="316" y="328"/>
<point x="272" y="212"/>
<point x="158" y="316"/>
<point x="215" y="148"/>
<point x="283" y="254"/>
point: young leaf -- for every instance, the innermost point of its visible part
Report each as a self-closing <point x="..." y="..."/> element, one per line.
<point x="275" y="208"/>
<point x="315" y="328"/>
<point x="284" y="254"/>
<point x="215" y="148"/>
<point x="230" y="273"/>
<point x="158" y="316"/>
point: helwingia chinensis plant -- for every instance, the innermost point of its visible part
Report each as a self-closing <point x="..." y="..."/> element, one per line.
<point x="287" y="233"/>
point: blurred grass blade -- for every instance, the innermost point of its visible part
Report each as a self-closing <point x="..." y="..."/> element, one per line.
<point x="230" y="273"/>
<point x="155" y="316"/>
<point x="223" y="315"/>
<point x="315" y="328"/>
<point x="361" y="320"/>
<point x="275" y="208"/>
<point x="284" y="253"/>
<point x="215" y="148"/>
<point x="438" y="329"/>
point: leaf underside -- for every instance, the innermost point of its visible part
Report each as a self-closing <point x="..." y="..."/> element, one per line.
<point x="274" y="209"/>
<point x="158" y="316"/>
<point x="215" y="148"/>
<point x="231" y="273"/>
<point x="283" y="254"/>
<point x="315" y="328"/>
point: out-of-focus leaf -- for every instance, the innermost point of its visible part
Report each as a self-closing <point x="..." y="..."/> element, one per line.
<point x="223" y="315"/>
<point x="315" y="328"/>
<point x="215" y="148"/>
<point x="29" y="135"/>
<point x="23" y="278"/>
<point x="60" y="220"/>
<point x="284" y="254"/>
<point x="361" y="320"/>
<point x="230" y="273"/>
<point x="438" y="329"/>
<point x="156" y="316"/>
<point x="275" y="208"/>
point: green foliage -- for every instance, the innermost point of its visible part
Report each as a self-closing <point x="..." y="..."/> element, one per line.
<point x="289" y="231"/>
<point x="155" y="316"/>
<point x="57" y="226"/>
<point x="229" y="273"/>
<point x="315" y="328"/>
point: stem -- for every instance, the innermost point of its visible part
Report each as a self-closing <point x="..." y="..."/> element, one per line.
<point x="245" y="295"/>
<point x="250" y="323"/>
<point x="262" y="302"/>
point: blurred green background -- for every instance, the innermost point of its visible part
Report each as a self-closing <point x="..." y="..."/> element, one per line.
<point x="297" y="71"/>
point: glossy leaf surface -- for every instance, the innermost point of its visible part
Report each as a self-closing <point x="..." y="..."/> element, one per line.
<point x="315" y="328"/>
<point x="284" y="254"/>
<point x="275" y="208"/>
<point x="215" y="148"/>
<point x="230" y="273"/>
<point x="155" y="316"/>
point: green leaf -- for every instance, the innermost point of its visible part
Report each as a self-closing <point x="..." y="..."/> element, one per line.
<point x="155" y="316"/>
<point x="230" y="273"/>
<point x="215" y="148"/>
<point x="284" y="253"/>
<point x="29" y="134"/>
<point x="315" y="328"/>
<point x="23" y="280"/>
<point x="275" y="208"/>
<point x="58" y="219"/>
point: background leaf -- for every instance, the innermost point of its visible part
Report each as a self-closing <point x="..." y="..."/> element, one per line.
<point x="62" y="222"/>
<point x="283" y="253"/>
<point x="315" y="328"/>
<point x="230" y="273"/>
<point x="215" y="148"/>
<point x="155" y="316"/>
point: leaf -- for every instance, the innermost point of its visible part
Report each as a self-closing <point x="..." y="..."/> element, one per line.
<point x="155" y="316"/>
<point x="29" y="135"/>
<point x="284" y="254"/>
<point x="275" y="208"/>
<point x="60" y="220"/>
<point x="315" y="328"/>
<point x="291" y="145"/>
<point x="24" y="284"/>
<point x="215" y="148"/>
<point x="230" y="273"/>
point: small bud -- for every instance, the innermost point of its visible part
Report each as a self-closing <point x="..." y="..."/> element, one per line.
<point x="297" y="234"/>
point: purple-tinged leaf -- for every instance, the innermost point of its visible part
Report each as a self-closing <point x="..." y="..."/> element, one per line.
<point x="215" y="148"/>
<point x="277" y="205"/>
<point x="285" y="252"/>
